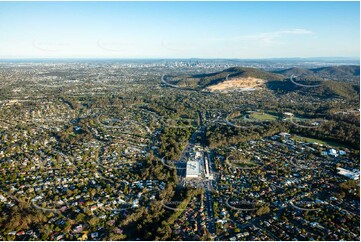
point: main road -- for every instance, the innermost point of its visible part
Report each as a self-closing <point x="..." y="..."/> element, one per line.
<point x="211" y="225"/>
<point x="210" y="211"/>
<point x="302" y="85"/>
<point x="208" y="184"/>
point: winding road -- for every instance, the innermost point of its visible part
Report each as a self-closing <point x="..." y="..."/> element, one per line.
<point x="302" y="85"/>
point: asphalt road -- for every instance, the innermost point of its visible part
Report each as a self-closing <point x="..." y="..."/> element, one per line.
<point x="302" y="85"/>
<point x="210" y="212"/>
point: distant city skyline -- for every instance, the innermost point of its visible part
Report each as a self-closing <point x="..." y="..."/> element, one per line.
<point x="237" y="30"/>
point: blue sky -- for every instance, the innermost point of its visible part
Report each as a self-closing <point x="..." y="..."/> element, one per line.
<point x="179" y="29"/>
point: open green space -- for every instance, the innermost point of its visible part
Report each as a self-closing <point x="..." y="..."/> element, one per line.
<point x="263" y="116"/>
<point x="323" y="142"/>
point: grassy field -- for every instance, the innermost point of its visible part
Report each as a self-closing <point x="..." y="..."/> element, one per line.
<point x="263" y="116"/>
<point x="323" y="142"/>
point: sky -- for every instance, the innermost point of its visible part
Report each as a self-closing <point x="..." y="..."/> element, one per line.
<point x="179" y="29"/>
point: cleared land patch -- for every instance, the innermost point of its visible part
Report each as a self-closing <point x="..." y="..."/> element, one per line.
<point x="237" y="83"/>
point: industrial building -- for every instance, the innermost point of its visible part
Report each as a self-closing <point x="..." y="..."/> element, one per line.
<point x="193" y="169"/>
<point x="354" y="175"/>
<point x="206" y="165"/>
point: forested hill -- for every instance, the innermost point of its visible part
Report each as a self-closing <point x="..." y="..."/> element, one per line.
<point x="349" y="73"/>
<point x="201" y="81"/>
<point x="342" y="81"/>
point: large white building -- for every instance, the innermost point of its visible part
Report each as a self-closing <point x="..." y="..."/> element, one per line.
<point x="354" y="175"/>
<point x="206" y="165"/>
<point x="193" y="169"/>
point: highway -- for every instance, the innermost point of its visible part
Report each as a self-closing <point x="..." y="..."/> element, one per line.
<point x="302" y="85"/>
<point x="210" y="211"/>
<point x="168" y="84"/>
<point x="204" y="182"/>
<point x="208" y="183"/>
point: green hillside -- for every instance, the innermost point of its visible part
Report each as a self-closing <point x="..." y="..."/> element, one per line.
<point x="349" y="73"/>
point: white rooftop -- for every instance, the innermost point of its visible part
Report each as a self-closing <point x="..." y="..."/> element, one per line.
<point x="355" y="175"/>
<point x="193" y="169"/>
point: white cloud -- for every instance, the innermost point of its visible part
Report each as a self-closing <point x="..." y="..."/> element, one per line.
<point x="270" y="37"/>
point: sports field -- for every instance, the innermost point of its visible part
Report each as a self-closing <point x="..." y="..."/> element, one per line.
<point x="263" y="116"/>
